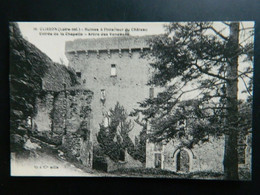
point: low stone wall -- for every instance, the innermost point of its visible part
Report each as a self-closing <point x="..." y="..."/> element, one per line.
<point x="76" y="148"/>
<point x="209" y="156"/>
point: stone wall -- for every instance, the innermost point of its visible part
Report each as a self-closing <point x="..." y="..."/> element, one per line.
<point x="31" y="74"/>
<point x="48" y="107"/>
<point x="245" y="169"/>
<point x="206" y="157"/>
<point x="128" y="87"/>
<point x="77" y="141"/>
<point x="209" y="156"/>
<point x="63" y="119"/>
<point x="44" y="107"/>
<point x="93" y="58"/>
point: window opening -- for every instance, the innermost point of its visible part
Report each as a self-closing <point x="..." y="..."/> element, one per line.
<point x="151" y="92"/>
<point x="78" y="74"/>
<point x="157" y="160"/>
<point x="122" y="155"/>
<point x="113" y="70"/>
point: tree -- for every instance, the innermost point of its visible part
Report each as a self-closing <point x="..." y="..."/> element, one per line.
<point x="138" y="151"/>
<point x="200" y="60"/>
<point x="114" y="139"/>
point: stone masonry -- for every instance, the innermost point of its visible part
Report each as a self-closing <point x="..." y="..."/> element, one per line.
<point x="48" y="106"/>
<point x="63" y="119"/>
<point x="113" y="68"/>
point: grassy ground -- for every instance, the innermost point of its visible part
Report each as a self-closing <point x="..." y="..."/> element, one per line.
<point x="244" y="174"/>
<point x="158" y="173"/>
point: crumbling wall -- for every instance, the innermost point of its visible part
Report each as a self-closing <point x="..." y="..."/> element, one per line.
<point x="58" y="113"/>
<point x="63" y="119"/>
<point x="77" y="142"/>
<point x="32" y="73"/>
<point x="46" y="106"/>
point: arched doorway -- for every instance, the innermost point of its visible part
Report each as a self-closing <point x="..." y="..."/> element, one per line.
<point x="182" y="161"/>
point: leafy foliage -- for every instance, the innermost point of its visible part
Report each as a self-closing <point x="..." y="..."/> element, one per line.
<point x="192" y="58"/>
<point x="199" y="62"/>
<point x="114" y="139"/>
<point x="138" y="150"/>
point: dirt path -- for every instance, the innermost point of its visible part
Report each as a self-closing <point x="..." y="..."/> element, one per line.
<point x="45" y="165"/>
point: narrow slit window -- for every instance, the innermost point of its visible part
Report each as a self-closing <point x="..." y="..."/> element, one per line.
<point x="78" y="74"/>
<point x="102" y="94"/>
<point x="157" y="160"/>
<point x="151" y="92"/>
<point x="106" y="122"/>
<point x="113" y="70"/>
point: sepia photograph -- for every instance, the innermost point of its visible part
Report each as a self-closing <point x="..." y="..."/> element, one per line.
<point x="132" y="99"/>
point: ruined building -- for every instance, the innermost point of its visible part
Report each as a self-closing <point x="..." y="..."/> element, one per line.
<point x="113" y="68"/>
<point x="48" y="105"/>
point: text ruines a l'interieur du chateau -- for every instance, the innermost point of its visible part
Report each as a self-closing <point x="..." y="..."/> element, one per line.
<point x="84" y="31"/>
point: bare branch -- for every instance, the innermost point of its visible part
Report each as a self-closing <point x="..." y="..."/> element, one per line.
<point x="246" y="28"/>
<point x="139" y="122"/>
<point x="227" y="24"/>
<point x="210" y="74"/>
<point x="245" y="73"/>
<point x="248" y="91"/>
<point x="213" y="108"/>
<point x="218" y="33"/>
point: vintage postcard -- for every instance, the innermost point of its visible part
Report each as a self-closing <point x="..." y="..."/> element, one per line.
<point x="132" y="99"/>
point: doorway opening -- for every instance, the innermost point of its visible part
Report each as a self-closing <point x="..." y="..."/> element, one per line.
<point x="183" y="161"/>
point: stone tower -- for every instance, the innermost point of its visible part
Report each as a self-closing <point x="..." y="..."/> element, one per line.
<point x="114" y="70"/>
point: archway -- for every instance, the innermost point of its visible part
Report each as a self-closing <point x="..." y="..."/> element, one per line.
<point x="182" y="161"/>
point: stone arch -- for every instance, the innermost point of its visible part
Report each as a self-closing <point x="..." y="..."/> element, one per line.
<point x="190" y="156"/>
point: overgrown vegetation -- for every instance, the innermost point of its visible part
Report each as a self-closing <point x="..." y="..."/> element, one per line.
<point x="25" y="81"/>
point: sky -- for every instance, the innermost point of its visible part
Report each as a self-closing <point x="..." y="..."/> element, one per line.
<point x="50" y="37"/>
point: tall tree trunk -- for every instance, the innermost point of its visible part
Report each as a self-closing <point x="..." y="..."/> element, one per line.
<point x="231" y="136"/>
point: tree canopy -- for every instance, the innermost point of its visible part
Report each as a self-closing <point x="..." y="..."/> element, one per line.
<point x="199" y="66"/>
